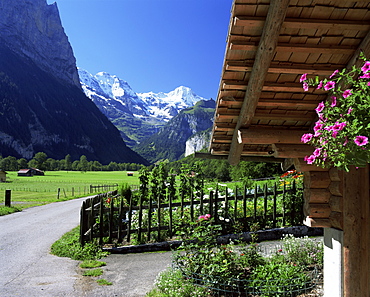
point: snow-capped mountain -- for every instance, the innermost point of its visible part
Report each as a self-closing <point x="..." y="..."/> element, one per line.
<point x="136" y="115"/>
<point x="166" y="105"/>
<point x="109" y="91"/>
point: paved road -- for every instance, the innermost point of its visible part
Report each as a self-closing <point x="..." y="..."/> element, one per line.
<point x="28" y="269"/>
<point x="26" y="266"/>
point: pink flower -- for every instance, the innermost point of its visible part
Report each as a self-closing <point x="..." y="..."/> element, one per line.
<point x="338" y="126"/>
<point x="205" y="217"/>
<point x="334" y="134"/>
<point x="329" y="85"/>
<point x="303" y="77"/>
<point x="305" y="87"/>
<point x="349" y="110"/>
<point x="319" y="86"/>
<point x="368" y="84"/>
<point x="317" y="128"/>
<point x="333" y="101"/>
<point x="361" y="140"/>
<point x="366" y="67"/>
<point x="310" y="159"/>
<point x="320" y="107"/>
<point x="347" y="93"/>
<point x="317" y="152"/>
<point x="306" y="137"/>
<point x="334" y="73"/>
<point x="366" y="75"/>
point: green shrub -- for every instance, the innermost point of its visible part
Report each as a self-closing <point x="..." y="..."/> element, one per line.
<point x="171" y="283"/>
<point x="125" y="191"/>
<point x="278" y="279"/>
<point x="69" y="246"/>
<point x="226" y="268"/>
<point x="301" y="251"/>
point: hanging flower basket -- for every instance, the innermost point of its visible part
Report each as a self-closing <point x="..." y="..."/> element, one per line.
<point x="341" y="134"/>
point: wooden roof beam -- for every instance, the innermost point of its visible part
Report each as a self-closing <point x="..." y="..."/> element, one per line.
<point x="285" y="87"/>
<point x="270" y="136"/>
<point x="291" y="150"/>
<point x="266" y="49"/>
<point x="296" y="48"/>
<point x="296" y="23"/>
<point x="306" y="104"/>
<point x="313" y="70"/>
<point x="243" y="158"/>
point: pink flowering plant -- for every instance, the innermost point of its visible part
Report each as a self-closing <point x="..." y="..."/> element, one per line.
<point x="341" y="134"/>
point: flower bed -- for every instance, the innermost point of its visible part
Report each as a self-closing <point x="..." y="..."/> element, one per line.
<point x="241" y="270"/>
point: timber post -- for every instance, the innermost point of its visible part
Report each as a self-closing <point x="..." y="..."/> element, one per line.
<point x="8" y="198"/>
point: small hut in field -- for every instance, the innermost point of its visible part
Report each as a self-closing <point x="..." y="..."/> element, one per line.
<point x="3" y="174"/>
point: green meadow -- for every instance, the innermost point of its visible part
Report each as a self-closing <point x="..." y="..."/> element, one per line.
<point x="38" y="190"/>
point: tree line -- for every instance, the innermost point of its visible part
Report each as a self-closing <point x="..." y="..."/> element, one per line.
<point x="217" y="170"/>
<point x="42" y="162"/>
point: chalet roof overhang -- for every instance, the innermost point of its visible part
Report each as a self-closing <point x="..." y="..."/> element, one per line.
<point x="262" y="110"/>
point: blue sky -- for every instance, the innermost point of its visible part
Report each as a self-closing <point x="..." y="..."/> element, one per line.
<point x="154" y="45"/>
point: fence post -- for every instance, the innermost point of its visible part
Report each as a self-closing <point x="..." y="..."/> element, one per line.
<point x="8" y="198"/>
<point x="120" y="221"/>
<point x="170" y="213"/>
<point x="201" y="208"/>
<point x="226" y="202"/>
<point x="91" y="221"/>
<point x="265" y="205"/>
<point x="159" y="216"/>
<point x="58" y="194"/>
<point x="192" y="206"/>
<point x="236" y="204"/>
<point x="245" y="201"/>
<point x="284" y="208"/>
<point x="255" y="203"/>
<point x="211" y="203"/>
<point x="129" y="219"/>
<point x="150" y="216"/>
<point x="140" y="218"/>
<point x="274" y="210"/>
<point x="101" y="219"/>
<point x="83" y="223"/>
<point x="216" y="205"/>
<point x="111" y="215"/>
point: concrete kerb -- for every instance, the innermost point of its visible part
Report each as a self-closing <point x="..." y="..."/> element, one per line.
<point x="263" y="235"/>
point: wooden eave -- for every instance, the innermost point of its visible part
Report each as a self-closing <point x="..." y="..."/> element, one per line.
<point x="261" y="108"/>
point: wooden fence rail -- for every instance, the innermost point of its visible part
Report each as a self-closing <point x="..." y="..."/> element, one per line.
<point x="103" y="188"/>
<point x="110" y="216"/>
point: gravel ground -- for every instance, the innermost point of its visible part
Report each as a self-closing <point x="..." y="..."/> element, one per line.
<point x="133" y="275"/>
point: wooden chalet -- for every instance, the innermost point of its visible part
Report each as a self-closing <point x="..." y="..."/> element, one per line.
<point x="3" y="174"/>
<point x="30" y="172"/>
<point x="262" y="112"/>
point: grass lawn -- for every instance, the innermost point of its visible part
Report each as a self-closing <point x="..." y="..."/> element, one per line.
<point x="39" y="190"/>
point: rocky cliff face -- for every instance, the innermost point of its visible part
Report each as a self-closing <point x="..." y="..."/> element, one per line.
<point x="169" y="142"/>
<point x="197" y="142"/>
<point x="42" y="105"/>
<point x="33" y="29"/>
